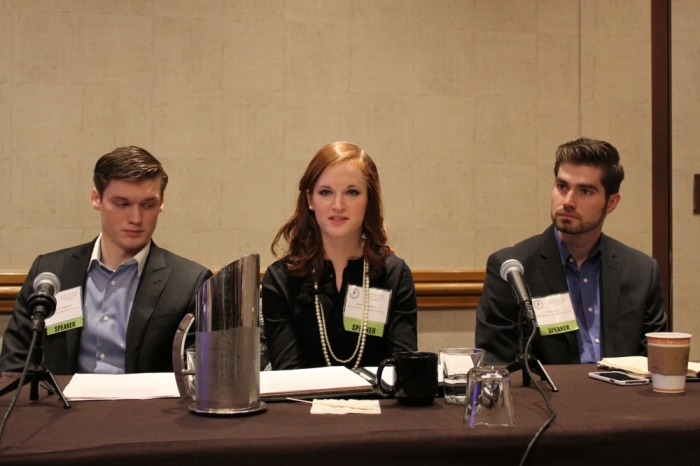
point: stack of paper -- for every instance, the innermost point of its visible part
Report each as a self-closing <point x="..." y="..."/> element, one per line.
<point x="638" y="365"/>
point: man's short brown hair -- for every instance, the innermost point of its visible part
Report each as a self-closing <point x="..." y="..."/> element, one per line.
<point x="594" y="153"/>
<point x="128" y="163"/>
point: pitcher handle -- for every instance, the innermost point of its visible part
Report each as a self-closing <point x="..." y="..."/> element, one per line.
<point x="179" y="356"/>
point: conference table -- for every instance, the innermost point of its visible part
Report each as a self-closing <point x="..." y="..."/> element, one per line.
<point x="597" y="423"/>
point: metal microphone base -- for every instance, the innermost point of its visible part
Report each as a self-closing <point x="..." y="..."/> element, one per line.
<point x="536" y="367"/>
<point x="38" y="374"/>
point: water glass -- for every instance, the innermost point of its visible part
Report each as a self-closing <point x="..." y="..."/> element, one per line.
<point x="489" y="399"/>
<point x="456" y="364"/>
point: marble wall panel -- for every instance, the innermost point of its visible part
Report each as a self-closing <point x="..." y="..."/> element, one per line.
<point x="505" y="63"/>
<point x="685" y="95"/>
<point x="506" y="15"/>
<point x="317" y="57"/>
<point x="459" y="14"/>
<point x="189" y="9"/>
<point x="187" y="52"/>
<point x="505" y="131"/>
<point x="558" y="17"/>
<point x="117" y="115"/>
<point x="193" y="198"/>
<point x="318" y="11"/>
<point x="624" y="124"/>
<point x="622" y="69"/>
<point x="5" y="196"/>
<point x="43" y="197"/>
<point x="188" y="123"/>
<point x="444" y="61"/>
<point x="5" y="119"/>
<point x="397" y="194"/>
<point x="381" y="60"/>
<point x="61" y="6"/>
<point x="119" y="7"/>
<point x="630" y="18"/>
<point x="253" y="125"/>
<point x="257" y="10"/>
<point x="686" y="17"/>
<point x="117" y="48"/>
<point x="311" y="121"/>
<point x="385" y="13"/>
<point x="504" y="196"/>
<point x="555" y="123"/>
<point x="5" y="47"/>
<point x="46" y="47"/>
<point x="383" y="126"/>
<point x="446" y="329"/>
<point x="46" y="119"/>
<point x="630" y="222"/>
<point x="444" y="194"/>
<point x="253" y="55"/>
<point x="444" y="129"/>
<point x="558" y="68"/>
<point x="444" y="250"/>
<point x="252" y="196"/>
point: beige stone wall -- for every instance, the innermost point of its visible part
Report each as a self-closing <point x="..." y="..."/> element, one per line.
<point x="686" y="163"/>
<point x="460" y="102"/>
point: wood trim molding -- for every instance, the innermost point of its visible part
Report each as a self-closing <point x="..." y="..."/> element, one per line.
<point x="435" y="289"/>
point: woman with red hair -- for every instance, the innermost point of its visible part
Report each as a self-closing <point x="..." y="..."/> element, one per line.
<point x="338" y="295"/>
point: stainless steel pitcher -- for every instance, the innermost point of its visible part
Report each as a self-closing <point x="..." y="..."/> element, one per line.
<point x="227" y="366"/>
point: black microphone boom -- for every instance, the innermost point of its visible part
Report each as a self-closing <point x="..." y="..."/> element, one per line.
<point x="42" y="303"/>
<point x="512" y="271"/>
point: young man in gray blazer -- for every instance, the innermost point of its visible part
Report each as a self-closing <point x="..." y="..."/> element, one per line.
<point x="133" y="293"/>
<point x="615" y="290"/>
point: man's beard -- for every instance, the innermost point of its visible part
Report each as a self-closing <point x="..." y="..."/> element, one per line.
<point x="577" y="227"/>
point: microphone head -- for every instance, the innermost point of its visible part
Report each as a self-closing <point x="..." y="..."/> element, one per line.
<point x="47" y="278"/>
<point x="509" y="266"/>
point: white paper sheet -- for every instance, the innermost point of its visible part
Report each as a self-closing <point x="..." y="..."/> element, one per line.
<point x="310" y="380"/>
<point x="121" y="386"/>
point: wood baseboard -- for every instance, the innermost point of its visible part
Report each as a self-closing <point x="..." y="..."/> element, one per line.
<point x="435" y="289"/>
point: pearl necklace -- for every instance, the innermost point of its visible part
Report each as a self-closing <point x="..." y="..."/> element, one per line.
<point x="325" y="343"/>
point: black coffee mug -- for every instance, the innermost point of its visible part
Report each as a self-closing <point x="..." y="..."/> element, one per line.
<point x="416" y="377"/>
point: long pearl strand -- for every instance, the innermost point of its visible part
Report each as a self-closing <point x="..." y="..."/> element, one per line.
<point x="325" y="343"/>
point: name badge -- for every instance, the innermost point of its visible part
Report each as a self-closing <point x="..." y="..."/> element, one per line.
<point x="69" y="312"/>
<point x="555" y="314"/>
<point x="378" y="310"/>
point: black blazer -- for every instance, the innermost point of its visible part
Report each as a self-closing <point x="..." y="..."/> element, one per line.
<point x="166" y="292"/>
<point x="631" y="301"/>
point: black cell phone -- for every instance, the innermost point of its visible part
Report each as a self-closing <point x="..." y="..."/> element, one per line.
<point x="618" y="378"/>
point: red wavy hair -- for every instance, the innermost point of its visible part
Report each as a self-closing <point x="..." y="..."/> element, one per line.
<point x="305" y="255"/>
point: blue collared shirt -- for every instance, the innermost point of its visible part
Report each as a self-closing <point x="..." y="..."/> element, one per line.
<point x="109" y="295"/>
<point x="584" y="290"/>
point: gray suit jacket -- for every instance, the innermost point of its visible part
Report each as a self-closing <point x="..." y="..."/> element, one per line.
<point x="166" y="292"/>
<point x="631" y="301"/>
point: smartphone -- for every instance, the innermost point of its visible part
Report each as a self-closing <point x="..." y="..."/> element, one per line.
<point x="618" y="378"/>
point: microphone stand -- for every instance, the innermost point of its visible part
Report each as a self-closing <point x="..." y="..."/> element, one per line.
<point x="38" y="373"/>
<point x="525" y="327"/>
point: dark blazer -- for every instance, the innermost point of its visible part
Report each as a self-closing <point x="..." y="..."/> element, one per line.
<point x="631" y="301"/>
<point x="166" y="292"/>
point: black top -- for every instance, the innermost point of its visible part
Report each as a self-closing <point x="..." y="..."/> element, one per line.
<point x="292" y="331"/>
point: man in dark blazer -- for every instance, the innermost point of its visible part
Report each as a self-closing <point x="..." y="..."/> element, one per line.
<point x="615" y="290"/>
<point x="154" y="287"/>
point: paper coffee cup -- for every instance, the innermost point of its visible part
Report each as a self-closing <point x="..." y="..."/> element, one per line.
<point x="668" y="354"/>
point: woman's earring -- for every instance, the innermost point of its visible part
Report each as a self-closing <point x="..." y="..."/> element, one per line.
<point x="311" y="208"/>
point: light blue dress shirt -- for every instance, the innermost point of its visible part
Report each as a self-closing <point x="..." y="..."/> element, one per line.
<point x="108" y="298"/>
<point x="584" y="290"/>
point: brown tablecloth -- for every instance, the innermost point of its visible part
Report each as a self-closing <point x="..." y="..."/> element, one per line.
<point x="598" y="423"/>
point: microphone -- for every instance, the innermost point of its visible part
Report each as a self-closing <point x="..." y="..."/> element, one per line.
<point x="42" y="303"/>
<point x="512" y="272"/>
